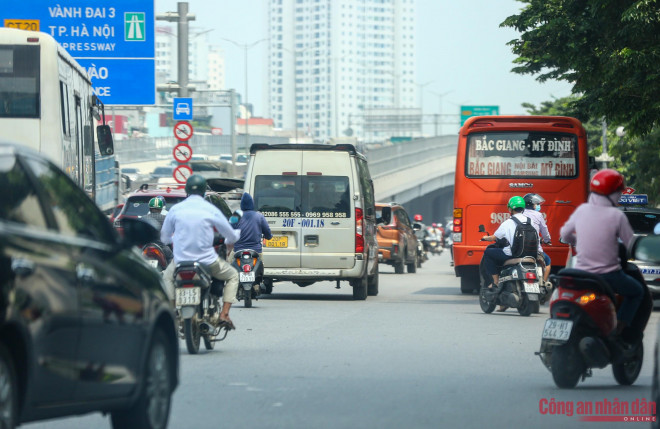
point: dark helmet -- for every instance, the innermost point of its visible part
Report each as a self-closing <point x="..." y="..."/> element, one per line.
<point x="196" y="184"/>
<point x="532" y="199"/>
<point x="607" y="182"/>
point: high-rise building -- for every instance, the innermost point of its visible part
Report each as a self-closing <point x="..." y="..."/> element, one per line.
<point x="332" y="63"/>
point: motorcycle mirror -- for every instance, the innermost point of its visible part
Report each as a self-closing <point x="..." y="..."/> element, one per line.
<point x="482" y="228"/>
<point x="647" y="249"/>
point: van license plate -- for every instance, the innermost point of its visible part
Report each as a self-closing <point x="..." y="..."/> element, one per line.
<point x="557" y="329"/>
<point x="188" y="296"/>
<point x="277" y="241"/>
<point x="246" y="277"/>
<point x="532" y="288"/>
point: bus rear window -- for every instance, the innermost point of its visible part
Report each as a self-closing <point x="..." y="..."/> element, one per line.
<point x="19" y="81"/>
<point x="515" y="154"/>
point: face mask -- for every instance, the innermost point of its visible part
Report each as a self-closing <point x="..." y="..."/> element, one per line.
<point x="538" y="207"/>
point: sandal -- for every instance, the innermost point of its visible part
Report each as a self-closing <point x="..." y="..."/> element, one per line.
<point x="227" y="324"/>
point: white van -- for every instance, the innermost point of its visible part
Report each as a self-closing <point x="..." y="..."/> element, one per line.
<point x="319" y="203"/>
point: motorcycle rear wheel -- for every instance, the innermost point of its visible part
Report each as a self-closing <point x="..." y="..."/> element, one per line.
<point x="567" y="366"/>
<point x="209" y="344"/>
<point x="247" y="298"/>
<point x="625" y="373"/>
<point x="526" y="307"/>
<point x="486" y="306"/>
<point x="192" y="334"/>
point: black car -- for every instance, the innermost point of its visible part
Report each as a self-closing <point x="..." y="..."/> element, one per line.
<point x="85" y="325"/>
<point x="643" y="220"/>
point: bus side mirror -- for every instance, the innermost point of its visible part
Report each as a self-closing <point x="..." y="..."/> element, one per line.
<point x="104" y="137"/>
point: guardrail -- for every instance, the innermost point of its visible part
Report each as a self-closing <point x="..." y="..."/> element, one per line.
<point x="388" y="159"/>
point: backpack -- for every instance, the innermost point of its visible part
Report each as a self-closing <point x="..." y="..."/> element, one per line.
<point x="525" y="239"/>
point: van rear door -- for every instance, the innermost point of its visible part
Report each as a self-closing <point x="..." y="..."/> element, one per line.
<point x="327" y="224"/>
<point x="276" y="193"/>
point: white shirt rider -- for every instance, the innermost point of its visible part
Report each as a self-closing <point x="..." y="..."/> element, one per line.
<point x="507" y="230"/>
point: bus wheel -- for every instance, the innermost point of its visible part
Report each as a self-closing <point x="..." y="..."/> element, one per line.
<point x="469" y="283"/>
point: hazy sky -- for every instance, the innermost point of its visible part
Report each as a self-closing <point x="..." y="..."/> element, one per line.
<point x="460" y="48"/>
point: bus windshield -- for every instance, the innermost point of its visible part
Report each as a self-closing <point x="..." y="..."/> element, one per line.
<point x="529" y="154"/>
<point x="19" y="81"/>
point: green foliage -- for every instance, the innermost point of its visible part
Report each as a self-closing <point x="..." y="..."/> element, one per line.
<point x="638" y="159"/>
<point x="608" y="49"/>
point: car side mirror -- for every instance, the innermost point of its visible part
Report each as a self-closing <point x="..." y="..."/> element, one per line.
<point x="104" y="137"/>
<point x="646" y="249"/>
<point x="387" y="215"/>
<point x="138" y="232"/>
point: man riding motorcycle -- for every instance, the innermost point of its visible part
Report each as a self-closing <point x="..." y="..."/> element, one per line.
<point x="595" y="229"/>
<point x="533" y="211"/>
<point x="190" y="226"/>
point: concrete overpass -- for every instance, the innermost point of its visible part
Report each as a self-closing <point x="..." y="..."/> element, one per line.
<point x="419" y="174"/>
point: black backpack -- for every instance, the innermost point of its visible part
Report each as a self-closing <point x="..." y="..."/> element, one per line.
<point x="525" y="239"/>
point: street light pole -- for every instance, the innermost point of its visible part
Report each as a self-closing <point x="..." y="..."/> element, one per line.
<point x="245" y="47"/>
<point x="437" y="133"/>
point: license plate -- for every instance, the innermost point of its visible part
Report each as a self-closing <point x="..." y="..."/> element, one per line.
<point x="277" y="241"/>
<point x="153" y="262"/>
<point x="246" y="277"/>
<point x="557" y="329"/>
<point x="532" y="288"/>
<point x="188" y="296"/>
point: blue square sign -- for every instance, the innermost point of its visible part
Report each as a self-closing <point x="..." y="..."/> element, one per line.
<point x="182" y="109"/>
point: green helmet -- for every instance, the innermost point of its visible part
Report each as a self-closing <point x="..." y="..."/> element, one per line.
<point x="516" y="203"/>
<point x="196" y="184"/>
<point x="156" y="203"/>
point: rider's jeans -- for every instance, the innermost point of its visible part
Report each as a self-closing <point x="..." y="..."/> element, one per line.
<point x="631" y="290"/>
<point x="494" y="258"/>
<point x="220" y="270"/>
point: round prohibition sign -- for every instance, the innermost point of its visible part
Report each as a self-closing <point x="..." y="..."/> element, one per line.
<point x="183" y="131"/>
<point x="182" y="152"/>
<point x="182" y="173"/>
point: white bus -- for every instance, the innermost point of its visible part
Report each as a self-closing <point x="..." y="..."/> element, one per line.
<point x="47" y="103"/>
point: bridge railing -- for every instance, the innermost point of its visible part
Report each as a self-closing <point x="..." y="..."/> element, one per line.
<point x="385" y="160"/>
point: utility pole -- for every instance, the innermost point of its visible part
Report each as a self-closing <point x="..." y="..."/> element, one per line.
<point x="181" y="17"/>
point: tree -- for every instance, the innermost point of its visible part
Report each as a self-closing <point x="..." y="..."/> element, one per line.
<point x="608" y="49"/>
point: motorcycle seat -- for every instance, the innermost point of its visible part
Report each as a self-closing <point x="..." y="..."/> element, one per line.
<point x="526" y="259"/>
<point x="571" y="278"/>
<point x="191" y="264"/>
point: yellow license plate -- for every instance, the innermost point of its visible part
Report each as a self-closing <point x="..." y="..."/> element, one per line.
<point x="23" y="24"/>
<point x="277" y="241"/>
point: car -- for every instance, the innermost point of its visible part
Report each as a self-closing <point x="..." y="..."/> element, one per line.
<point x="137" y="203"/>
<point x="163" y="171"/>
<point x="183" y="108"/>
<point x="209" y="169"/>
<point x="397" y="242"/>
<point x="319" y="202"/>
<point x="643" y="220"/>
<point x="240" y="166"/>
<point x="133" y="173"/>
<point x="86" y="326"/>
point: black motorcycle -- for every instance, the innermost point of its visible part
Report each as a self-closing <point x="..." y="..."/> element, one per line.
<point x="250" y="275"/>
<point x="197" y="299"/>
<point x="518" y="285"/>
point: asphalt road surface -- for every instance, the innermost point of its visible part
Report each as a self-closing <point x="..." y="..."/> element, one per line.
<point x="419" y="355"/>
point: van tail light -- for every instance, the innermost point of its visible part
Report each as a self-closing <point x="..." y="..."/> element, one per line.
<point x="359" y="235"/>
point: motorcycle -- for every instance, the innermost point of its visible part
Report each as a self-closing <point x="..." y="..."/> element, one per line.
<point x="157" y="254"/>
<point x="197" y="300"/>
<point x="433" y="244"/>
<point x="422" y="256"/>
<point x="250" y="275"/>
<point x="518" y="285"/>
<point x="579" y="334"/>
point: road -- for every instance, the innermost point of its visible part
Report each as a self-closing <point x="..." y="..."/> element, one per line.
<point x="419" y="355"/>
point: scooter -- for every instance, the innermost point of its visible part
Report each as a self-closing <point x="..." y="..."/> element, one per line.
<point x="250" y="275"/>
<point x="579" y="334"/>
<point x="197" y="300"/>
<point x="157" y="254"/>
<point x="518" y="285"/>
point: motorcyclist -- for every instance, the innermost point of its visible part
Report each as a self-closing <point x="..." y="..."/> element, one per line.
<point x="252" y="225"/>
<point x="156" y="206"/>
<point x="595" y="228"/>
<point x="421" y="232"/>
<point x="190" y="226"/>
<point x="533" y="211"/>
<point x="495" y="257"/>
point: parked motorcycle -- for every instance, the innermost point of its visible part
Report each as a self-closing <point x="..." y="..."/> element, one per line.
<point x="579" y="334"/>
<point x="250" y="275"/>
<point x="518" y="285"/>
<point x="197" y="299"/>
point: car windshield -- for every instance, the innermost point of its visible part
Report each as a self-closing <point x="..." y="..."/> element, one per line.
<point x="138" y="205"/>
<point x="163" y="170"/>
<point x="129" y="170"/>
<point x="642" y="222"/>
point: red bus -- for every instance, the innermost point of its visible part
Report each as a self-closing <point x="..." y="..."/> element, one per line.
<point x="502" y="156"/>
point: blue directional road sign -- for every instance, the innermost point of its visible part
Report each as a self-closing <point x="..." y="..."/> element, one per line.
<point x="182" y="110"/>
<point x="112" y="39"/>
